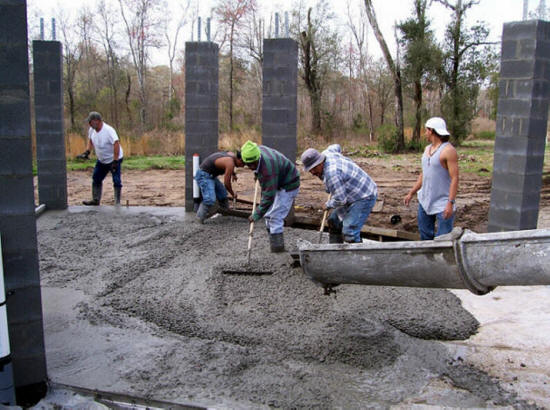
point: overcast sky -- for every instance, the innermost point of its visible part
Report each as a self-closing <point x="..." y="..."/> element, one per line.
<point x="493" y="12"/>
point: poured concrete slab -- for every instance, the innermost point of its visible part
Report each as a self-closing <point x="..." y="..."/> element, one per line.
<point x="136" y="302"/>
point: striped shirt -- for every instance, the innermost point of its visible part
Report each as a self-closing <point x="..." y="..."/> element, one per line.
<point x="344" y="179"/>
<point x="275" y="171"/>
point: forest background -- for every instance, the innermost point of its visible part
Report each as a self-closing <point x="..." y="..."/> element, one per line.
<point x="351" y="90"/>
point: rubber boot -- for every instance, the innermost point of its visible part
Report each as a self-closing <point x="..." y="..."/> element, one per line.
<point x="96" y="195"/>
<point x="202" y="213"/>
<point x="277" y="242"/>
<point x="335" y="238"/>
<point x="117" y="195"/>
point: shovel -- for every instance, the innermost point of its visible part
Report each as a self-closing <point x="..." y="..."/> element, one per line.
<point x="247" y="270"/>
<point x="251" y="230"/>
<point x="323" y="221"/>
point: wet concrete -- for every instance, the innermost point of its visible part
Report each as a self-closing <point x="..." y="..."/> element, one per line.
<point x="135" y="302"/>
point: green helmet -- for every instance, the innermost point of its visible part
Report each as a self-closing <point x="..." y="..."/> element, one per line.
<point x="250" y="152"/>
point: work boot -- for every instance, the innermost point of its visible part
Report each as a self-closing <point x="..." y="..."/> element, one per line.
<point x="335" y="238"/>
<point x="96" y="195"/>
<point x="277" y="242"/>
<point x="117" y="195"/>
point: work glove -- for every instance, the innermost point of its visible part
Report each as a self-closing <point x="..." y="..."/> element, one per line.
<point x="251" y="218"/>
<point x="114" y="164"/>
<point x="84" y="155"/>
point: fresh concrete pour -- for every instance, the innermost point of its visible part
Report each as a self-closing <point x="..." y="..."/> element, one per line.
<point x="136" y="302"/>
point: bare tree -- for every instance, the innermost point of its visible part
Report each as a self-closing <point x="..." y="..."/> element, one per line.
<point x="396" y="73"/>
<point x="230" y="13"/>
<point x="173" y="38"/>
<point x="359" y="32"/>
<point x="105" y="29"/>
<point x="319" y="49"/>
<point x="142" y="34"/>
<point x="71" y="58"/>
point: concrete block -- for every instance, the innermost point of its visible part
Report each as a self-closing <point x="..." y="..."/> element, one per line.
<point x="201" y="101"/>
<point x="13" y="46"/>
<point x="517" y="69"/>
<point x="18" y="232"/>
<point x="539" y="108"/>
<point x="509" y="50"/>
<point x="15" y="156"/>
<point x="15" y="112"/>
<point x="514" y="106"/>
<point x="16" y="195"/>
<point x="30" y="370"/>
<point x="526" y="47"/>
<point x="25" y="305"/>
<point x="23" y="267"/>
<point x="44" y="151"/>
<point x="198" y="128"/>
<point x="519" y="30"/>
<point x="501" y="220"/>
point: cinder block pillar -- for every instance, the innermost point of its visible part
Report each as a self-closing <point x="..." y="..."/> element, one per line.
<point x="17" y="220"/>
<point x="50" y="138"/>
<point x="524" y="91"/>
<point x="280" y="93"/>
<point x="201" y="107"/>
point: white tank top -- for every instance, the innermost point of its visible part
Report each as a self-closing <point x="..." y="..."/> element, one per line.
<point x="434" y="194"/>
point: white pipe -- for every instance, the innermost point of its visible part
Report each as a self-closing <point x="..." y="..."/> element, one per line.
<point x="196" y="191"/>
<point x="39" y="209"/>
<point x="7" y="391"/>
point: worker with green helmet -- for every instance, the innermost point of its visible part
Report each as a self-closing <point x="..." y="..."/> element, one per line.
<point x="280" y="182"/>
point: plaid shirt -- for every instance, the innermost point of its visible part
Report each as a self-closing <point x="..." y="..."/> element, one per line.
<point x="344" y="179"/>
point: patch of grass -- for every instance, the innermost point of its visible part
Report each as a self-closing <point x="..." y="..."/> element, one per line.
<point x="138" y="162"/>
<point x="485" y="135"/>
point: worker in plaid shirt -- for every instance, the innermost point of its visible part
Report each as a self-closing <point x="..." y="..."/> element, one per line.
<point x="353" y="192"/>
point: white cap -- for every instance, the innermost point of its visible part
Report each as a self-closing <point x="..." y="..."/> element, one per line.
<point x="437" y="124"/>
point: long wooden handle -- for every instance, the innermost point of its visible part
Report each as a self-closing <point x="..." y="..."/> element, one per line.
<point x="251" y="229"/>
<point x="323" y="221"/>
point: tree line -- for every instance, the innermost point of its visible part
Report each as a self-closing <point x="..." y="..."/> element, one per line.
<point x="343" y="88"/>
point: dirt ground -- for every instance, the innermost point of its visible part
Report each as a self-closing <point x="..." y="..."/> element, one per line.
<point x="394" y="178"/>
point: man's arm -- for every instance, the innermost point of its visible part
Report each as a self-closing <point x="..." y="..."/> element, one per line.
<point x="449" y="158"/>
<point x="116" y="150"/>
<point x="417" y="185"/>
<point x="228" y="164"/>
<point x="89" y="147"/>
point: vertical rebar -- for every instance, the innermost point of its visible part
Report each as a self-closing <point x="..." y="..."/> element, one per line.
<point x="53" y="28"/>
<point x="199" y="30"/>
<point x="41" y="28"/>
<point x="276" y="25"/>
<point x="286" y="25"/>
<point x="208" y="29"/>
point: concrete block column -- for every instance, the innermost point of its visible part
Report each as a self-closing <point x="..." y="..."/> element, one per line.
<point x="280" y="95"/>
<point x="524" y="92"/>
<point x="201" y="107"/>
<point x="50" y="137"/>
<point x="17" y="220"/>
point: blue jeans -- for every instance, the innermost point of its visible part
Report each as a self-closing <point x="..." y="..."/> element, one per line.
<point x="101" y="170"/>
<point x="211" y="188"/>
<point x="426" y="224"/>
<point x="354" y="217"/>
<point x="276" y="214"/>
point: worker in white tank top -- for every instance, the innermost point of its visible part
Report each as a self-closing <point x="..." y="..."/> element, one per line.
<point x="437" y="184"/>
